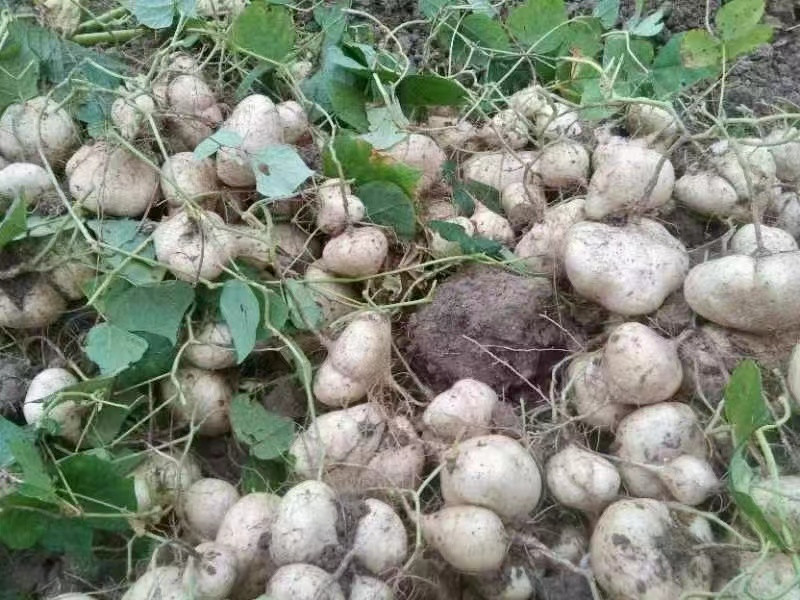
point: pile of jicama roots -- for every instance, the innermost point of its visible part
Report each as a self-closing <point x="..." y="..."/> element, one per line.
<point x="380" y="486"/>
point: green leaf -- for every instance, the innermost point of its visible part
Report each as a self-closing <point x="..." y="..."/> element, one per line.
<point x="304" y="311"/>
<point x="538" y="23"/>
<point x="100" y="488"/>
<point x="113" y="349"/>
<point x="15" y="442"/>
<point x="582" y="37"/>
<point x="745" y="408"/>
<point x="348" y="103"/>
<point x="268" y="435"/>
<point x="126" y="235"/>
<point x="465" y="194"/>
<point x="607" y="11"/>
<point x="19" y="74"/>
<point x="279" y="170"/>
<point x="383" y="131"/>
<point x="361" y="162"/>
<point x="108" y="420"/>
<point x="757" y="36"/>
<point x="430" y="90"/>
<point x="387" y="204"/>
<point x="453" y="232"/>
<point x="265" y="30"/>
<point x="669" y="75"/>
<point x="69" y="536"/>
<point x="224" y="138"/>
<point x="158" y="14"/>
<point x="22" y="524"/>
<point x="263" y="475"/>
<point x="431" y="8"/>
<point x="633" y="58"/>
<point x="14" y="222"/>
<point x="332" y="20"/>
<point x="740" y="479"/>
<point x="154" y="308"/>
<point x="277" y="310"/>
<point x="156" y="361"/>
<point x="241" y="311"/>
<point x="736" y="18"/>
<point x="649" y="26"/>
<point x="700" y="49"/>
<point x="485" y="33"/>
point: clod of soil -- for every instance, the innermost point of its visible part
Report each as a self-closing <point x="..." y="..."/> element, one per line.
<point x="487" y="324"/>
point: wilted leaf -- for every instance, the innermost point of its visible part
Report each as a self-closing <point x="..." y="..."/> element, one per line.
<point x="361" y="162"/>
<point x="387" y="204"/>
<point x="279" y="170"/>
<point x="14" y="222"/>
<point x="241" y="311"/>
<point x="264" y="29"/>
<point x="538" y="24"/>
<point x="267" y="434"/>
<point x="304" y="311"/>
<point x="745" y="408"/>
<point x="113" y="349"/>
<point x="155" y="308"/>
<point x="700" y="49"/>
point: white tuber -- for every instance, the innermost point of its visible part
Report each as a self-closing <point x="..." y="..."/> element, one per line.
<point x="462" y="411"/>
<point x="357" y="252"/>
<point x="471" y="538"/>
<point x="41" y="404"/>
<point x="338" y="208"/>
<point x="204" y="504"/>
<point x="581" y="479"/>
<point x="493" y="471"/>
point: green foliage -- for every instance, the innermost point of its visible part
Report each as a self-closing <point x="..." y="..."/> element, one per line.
<point x="737" y="32"/>
<point x="265" y="30"/>
<point x="32" y="55"/>
<point x="14" y="222"/>
<point x="126" y="236"/>
<point x="267" y="435"/>
<point x="303" y="310"/>
<point x="159" y="14"/>
<point x="538" y="24"/>
<point x="361" y="162"/>
<point x="242" y="312"/>
<point x="279" y="170"/>
<point x="430" y="90"/>
<point x="387" y="204"/>
<point x="222" y="138"/>
<point x="154" y="308"/>
<point x="453" y="232"/>
<point x="112" y="348"/>
<point x="746" y="412"/>
<point x="745" y="408"/>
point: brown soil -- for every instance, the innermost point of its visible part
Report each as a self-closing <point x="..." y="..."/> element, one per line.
<point x="488" y="324"/>
<point x="15" y="373"/>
